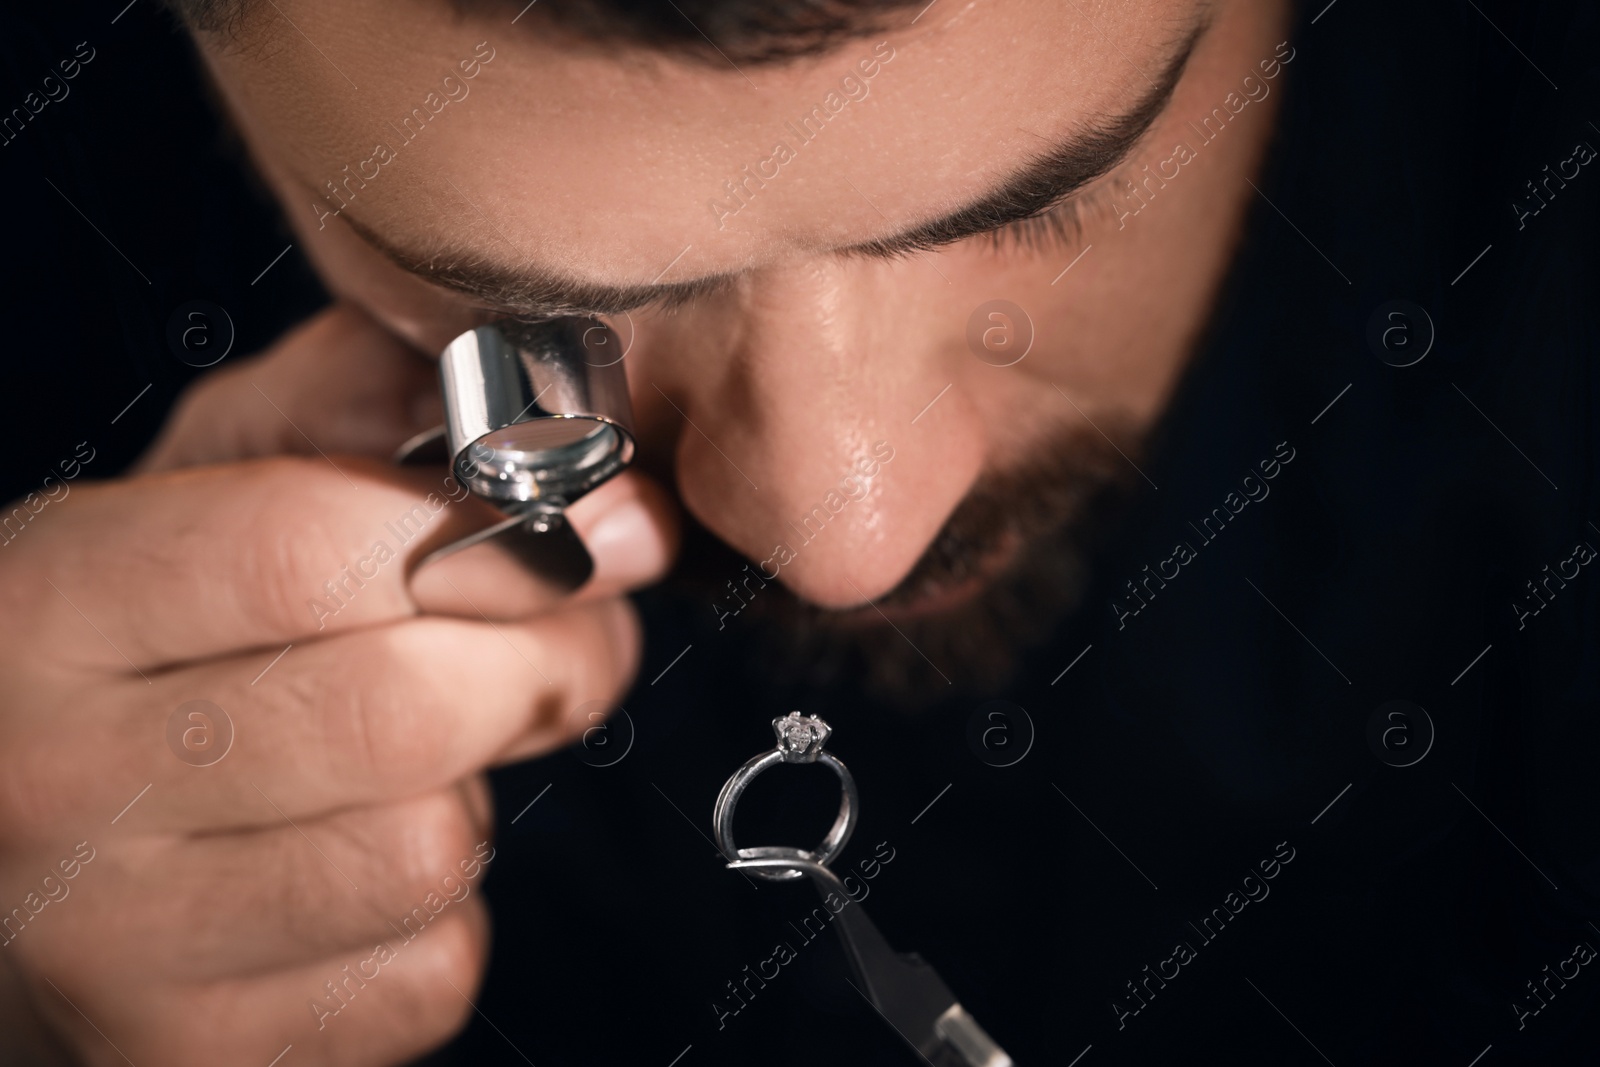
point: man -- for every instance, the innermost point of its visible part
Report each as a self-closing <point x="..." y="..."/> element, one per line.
<point x="904" y="291"/>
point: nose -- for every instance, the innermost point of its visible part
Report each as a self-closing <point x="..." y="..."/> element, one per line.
<point x="805" y="438"/>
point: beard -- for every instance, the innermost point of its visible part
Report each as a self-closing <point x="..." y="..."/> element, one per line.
<point x="1008" y="565"/>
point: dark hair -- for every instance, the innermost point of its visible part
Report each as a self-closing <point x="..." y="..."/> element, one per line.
<point x="714" y="31"/>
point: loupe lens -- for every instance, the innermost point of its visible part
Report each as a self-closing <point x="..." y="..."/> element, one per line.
<point x="531" y="418"/>
<point x="555" y="460"/>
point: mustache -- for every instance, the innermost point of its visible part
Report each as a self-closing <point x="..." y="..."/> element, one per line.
<point x="1024" y="532"/>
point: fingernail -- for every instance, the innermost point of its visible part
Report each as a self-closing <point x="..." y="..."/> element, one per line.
<point x="625" y="544"/>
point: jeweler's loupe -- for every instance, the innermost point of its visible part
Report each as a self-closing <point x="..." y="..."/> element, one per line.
<point x="536" y="415"/>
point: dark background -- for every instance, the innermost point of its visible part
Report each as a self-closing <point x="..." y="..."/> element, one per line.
<point x="1197" y="738"/>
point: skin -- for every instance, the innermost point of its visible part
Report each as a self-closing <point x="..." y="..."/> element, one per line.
<point x="809" y="357"/>
<point x="205" y="926"/>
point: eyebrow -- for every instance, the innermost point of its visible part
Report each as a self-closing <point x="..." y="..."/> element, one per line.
<point x="1043" y="183"/>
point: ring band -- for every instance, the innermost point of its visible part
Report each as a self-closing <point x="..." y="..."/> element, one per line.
<point x="800" y="740"/>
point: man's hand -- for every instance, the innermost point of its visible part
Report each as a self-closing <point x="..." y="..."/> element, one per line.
<point x="318" y="884"/>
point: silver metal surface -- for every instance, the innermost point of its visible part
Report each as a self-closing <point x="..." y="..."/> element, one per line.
<point x="536" y="415"/>
<point x="902" y="986"/>
<point x="800" y="740"/>
<point x="962" y="1031"/>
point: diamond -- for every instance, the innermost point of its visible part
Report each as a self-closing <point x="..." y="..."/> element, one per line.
<point x="800" y="737"/>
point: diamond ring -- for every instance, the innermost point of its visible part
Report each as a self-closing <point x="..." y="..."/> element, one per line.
<point x="800" y="740"/>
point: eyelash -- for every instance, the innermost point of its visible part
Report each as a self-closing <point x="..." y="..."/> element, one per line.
<point x="1049" y="231"/>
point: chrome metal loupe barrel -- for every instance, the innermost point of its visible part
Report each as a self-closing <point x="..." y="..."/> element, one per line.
<point x="536" y="415"/>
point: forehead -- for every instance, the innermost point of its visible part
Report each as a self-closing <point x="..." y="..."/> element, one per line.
<point x="469" y="134"/>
